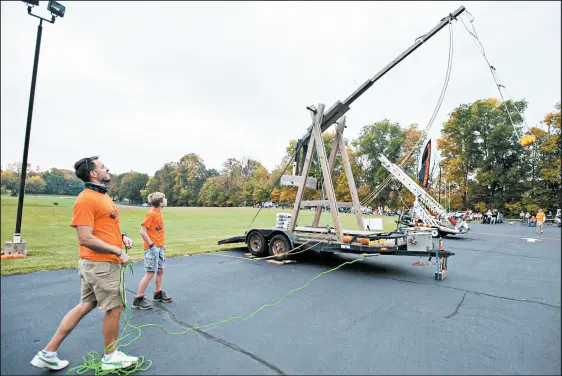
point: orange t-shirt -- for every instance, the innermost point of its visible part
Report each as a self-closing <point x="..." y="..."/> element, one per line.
<point x="154" y="223"/>
<point x="540" y="216"/>
<point x="97" y="210"/>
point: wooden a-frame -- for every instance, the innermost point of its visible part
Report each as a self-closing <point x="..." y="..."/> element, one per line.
<point x="317" y="142"/>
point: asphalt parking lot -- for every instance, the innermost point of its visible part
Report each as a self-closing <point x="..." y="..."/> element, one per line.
<point x="498" y="312"/>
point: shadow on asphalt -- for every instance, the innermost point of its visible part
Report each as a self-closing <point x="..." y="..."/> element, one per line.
<point x="367" y="267"/>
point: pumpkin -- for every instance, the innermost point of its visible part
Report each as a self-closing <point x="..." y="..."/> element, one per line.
<point x="347" y="239"/>
<point x="364" y="241"/>
<point x="17" y="256"/>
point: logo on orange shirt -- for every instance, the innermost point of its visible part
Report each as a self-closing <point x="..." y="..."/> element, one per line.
<point x="113" y="215"/>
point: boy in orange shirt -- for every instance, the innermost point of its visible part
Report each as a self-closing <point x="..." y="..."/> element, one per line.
<point x="152" y="232"/>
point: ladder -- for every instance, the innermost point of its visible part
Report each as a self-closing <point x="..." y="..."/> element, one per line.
<point x="428" y="202"/>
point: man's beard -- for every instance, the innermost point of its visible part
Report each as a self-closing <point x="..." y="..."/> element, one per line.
<point x="106" y="180"/>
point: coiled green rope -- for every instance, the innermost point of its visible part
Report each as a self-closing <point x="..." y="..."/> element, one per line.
<point x="92" y="361"/>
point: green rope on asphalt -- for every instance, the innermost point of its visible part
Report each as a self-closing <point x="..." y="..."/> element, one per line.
<point x="92" y="361"/>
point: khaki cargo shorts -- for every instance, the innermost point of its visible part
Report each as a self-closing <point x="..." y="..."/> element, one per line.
<point x="100" y="284"/>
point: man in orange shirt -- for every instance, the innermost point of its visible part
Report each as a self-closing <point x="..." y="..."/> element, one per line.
<point x="152" y="232"/>
<point x="96" y="220"/>
<point x="540" y="221"/>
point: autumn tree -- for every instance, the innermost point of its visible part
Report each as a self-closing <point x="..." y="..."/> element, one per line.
<point x="10" y="179"/>
<point x="190" y="177"/>
<point x="131" y="185"/>
<point x="256" y="188"/>
<point x="383" y="137"/>
<point x="213" y="192"/>
<point x="62" y="182"/>
<point x="114" y="184"/>
<point x="35" y="185"/>
<point x="544" y="182"/>
<point x="480" y="153"/>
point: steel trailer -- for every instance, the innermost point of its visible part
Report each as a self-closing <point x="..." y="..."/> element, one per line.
<point x="281" y="243"/>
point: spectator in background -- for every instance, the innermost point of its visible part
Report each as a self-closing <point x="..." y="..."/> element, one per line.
<point x="540" y="221"/>
<point x="533" y="221"/>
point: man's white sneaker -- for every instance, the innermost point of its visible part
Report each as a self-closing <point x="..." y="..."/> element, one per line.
<point x="117" y="360"/>
<point x="53" y="362"/>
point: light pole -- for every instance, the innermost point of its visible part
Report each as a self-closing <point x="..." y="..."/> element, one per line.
<point x="56" y="9"/>
<point x="439" y="183"/>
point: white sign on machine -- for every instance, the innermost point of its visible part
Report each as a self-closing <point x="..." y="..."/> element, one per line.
<point x="283" y="220"/>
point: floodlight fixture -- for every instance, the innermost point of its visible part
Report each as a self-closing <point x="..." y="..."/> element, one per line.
<point x="56" y="8"/>
<point x="32" y="3"/>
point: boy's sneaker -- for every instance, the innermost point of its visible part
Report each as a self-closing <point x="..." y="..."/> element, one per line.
<point x="52" y="362"/>
<point x="161" y="296"/>
<point x="141" y="303"/>
<point x="117" y="360"/>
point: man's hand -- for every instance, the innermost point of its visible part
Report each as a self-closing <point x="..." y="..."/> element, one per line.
<point x="128" y="242"/>
<point x="124" y="258"/>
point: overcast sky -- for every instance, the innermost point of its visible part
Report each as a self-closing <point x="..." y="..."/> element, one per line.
<point x="144" y="83"/>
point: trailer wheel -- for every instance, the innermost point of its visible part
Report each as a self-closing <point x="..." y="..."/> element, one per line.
<point x="278" y="246"/>
<point x="435" y="233"/>
<point x="257" y="245"/>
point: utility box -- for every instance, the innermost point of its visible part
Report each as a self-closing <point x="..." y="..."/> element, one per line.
<point x="419" y="241"/>
<point x="15" y="248"/>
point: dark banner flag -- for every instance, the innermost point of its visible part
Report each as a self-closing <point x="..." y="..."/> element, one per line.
<point x="425" y="163"/>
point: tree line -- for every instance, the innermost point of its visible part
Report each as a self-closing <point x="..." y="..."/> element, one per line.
<point x="481" y="160"/>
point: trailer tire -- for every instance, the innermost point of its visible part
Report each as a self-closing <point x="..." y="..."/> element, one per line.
<point x="435" y="233"/>
<point x="257" y="244"/>
<point x="278" y="245"/>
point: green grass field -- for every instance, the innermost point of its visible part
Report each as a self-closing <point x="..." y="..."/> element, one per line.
<point x="52" y="243"/>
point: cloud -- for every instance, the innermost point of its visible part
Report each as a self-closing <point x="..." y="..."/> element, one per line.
<point x="145" y="83"/>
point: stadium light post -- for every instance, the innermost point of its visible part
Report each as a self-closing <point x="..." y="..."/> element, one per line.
<point x="439" y="189"/>
<point x="57" y="10"/>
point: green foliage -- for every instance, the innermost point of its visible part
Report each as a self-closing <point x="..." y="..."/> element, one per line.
<point x="213" y="193"/>
<point x="533" y="209"/>
<point x="481" y="207"/>
<point x="482" y="162"/>
<point x="382" y="137"/>
<point x="62" y="182"/>
<point x="189" y="178"/>
<point x="545" y="163"/>
<point x="114" y="186"/>
<point x="514" y="208"/>
<point x="131" y="185"/>
<point x="10" y="179"/>
<point x="35" y="184"/>
<point x="481" y="154"/>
